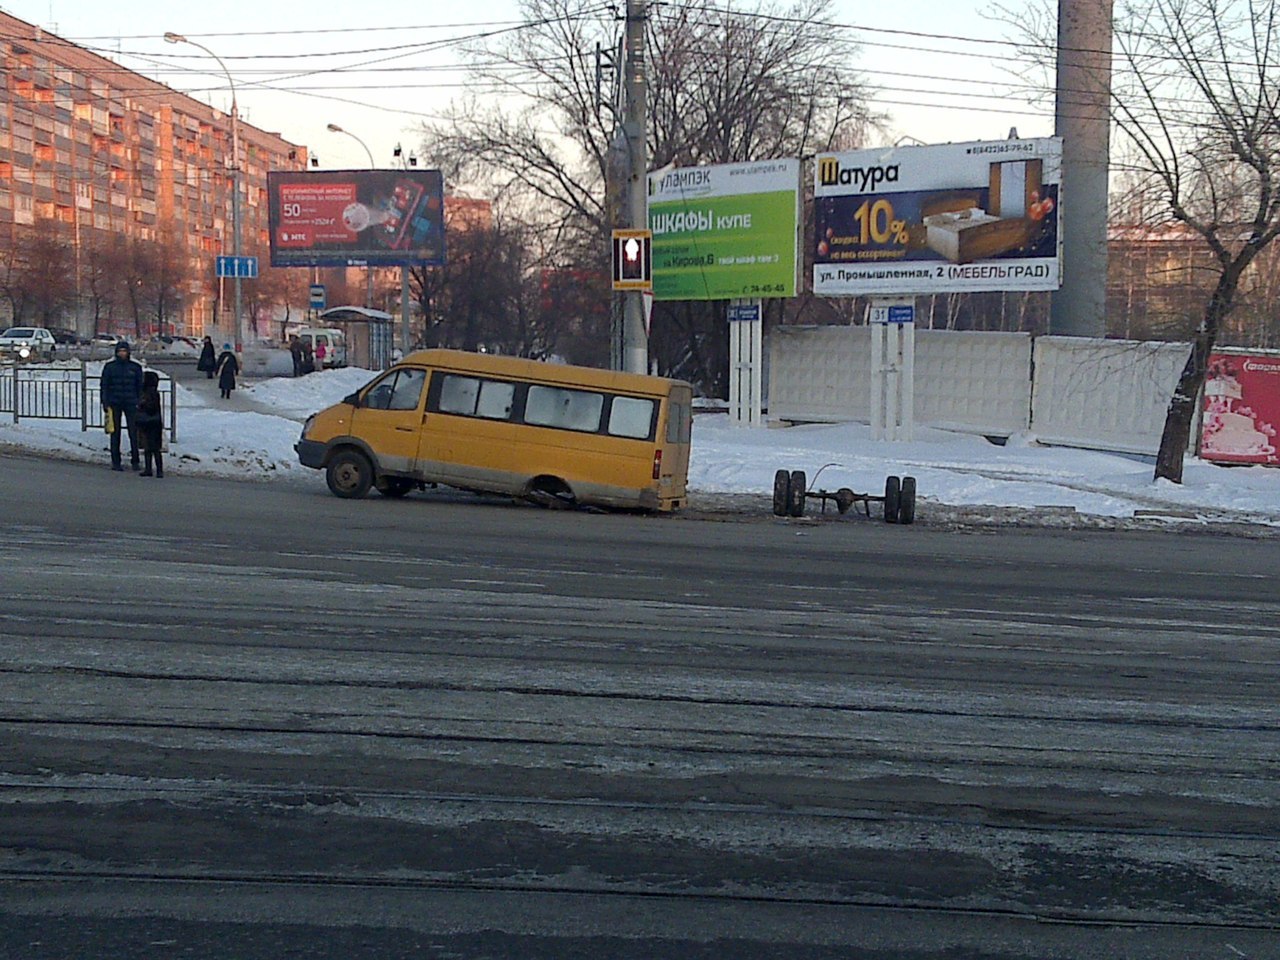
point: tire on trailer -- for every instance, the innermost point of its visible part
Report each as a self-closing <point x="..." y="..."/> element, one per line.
<point x="795" y="495"/>
<point x="349" y="475"/>
<point x="907" y="503"/>
<point x="892" y="499"/>
<point x="393" y="487"/>
<point x="781" y="493"/>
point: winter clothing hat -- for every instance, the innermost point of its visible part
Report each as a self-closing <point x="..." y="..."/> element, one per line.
<point x="123" y="345"/>
<point x="226" y="346"/>
<point x="150" y="379"/>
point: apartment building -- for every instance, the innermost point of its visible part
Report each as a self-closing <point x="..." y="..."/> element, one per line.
<point x="89" y="148"/>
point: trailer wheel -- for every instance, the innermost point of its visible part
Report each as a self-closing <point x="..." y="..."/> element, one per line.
<point x="892" y="499"/>
<point x="781" y="493"/>
<point x="795" y="497"/>
<point x="844" y="499"/>
<point x="907" y="506"/>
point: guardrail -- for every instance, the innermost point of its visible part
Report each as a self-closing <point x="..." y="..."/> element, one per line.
<point x="66" y="393"/>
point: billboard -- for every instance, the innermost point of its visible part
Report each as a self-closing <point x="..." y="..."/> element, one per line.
<point x="1241" y="408"/>
<point x="958" y="217"/>
<point x="356" y="217"/>
<point x="725" y="232"/>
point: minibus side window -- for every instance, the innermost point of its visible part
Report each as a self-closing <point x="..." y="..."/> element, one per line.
<point x="631" y="417"/>
<point x="496" y="400"/>
<point x="408" y="390"/>
<point x="458" y="394"/>
<point x="472" y="397"/>
<point x="560" y="407"/>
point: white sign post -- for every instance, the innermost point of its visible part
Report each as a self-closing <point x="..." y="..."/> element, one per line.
<point x="746" y="341"/>
<point x="893" y="347"/>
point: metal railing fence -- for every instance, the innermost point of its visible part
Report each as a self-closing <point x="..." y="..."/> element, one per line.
<point x="66" y="393"/>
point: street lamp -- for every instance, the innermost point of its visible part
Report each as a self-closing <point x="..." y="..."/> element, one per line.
<point x="368" y="287"/>
<point x="334" y="128"/>
<point x="171" y="37"/>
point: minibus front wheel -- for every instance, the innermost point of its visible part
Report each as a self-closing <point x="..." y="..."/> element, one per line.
<point x="349" y="474"/>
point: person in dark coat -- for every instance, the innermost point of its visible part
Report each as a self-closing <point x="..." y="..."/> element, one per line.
<point x="208" y="358"/>
<point x="119" y="389"/>
<point x="150" y="424"/>
<point x="228" y="368"/>
<point x="295" y="349"/>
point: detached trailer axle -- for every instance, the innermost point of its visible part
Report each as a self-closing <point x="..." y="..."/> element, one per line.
<point x="790" y="494"/>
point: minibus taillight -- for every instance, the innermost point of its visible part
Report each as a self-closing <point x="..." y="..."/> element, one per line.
<point x="657" y="464"/>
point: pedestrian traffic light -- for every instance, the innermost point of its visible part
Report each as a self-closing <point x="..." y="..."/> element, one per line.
<point x="631" y="260"/>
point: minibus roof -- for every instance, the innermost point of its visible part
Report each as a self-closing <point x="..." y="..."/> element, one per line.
<point x="519" y="367"/>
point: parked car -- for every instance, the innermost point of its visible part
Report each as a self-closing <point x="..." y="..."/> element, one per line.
<point x="108" y="340"/>
<point x="334" y="340"/>
<point x="171" y="348"/>
<point x="28" y="343"/>
<point x="70" y="338"/>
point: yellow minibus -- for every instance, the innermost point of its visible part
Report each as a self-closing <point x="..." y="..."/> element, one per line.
<point x="551" y="433"/>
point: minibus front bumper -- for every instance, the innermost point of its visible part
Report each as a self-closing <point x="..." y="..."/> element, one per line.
<point x="310" y="453"/>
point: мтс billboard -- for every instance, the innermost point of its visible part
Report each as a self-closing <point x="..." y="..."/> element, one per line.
<point x="936" y="219"/>
<point x="356" y="217"/>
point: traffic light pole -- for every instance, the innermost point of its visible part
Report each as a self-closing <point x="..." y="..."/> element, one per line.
<point x="635" y="342"/>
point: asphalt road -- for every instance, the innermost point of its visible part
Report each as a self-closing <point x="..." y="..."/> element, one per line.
<point x="255" y="721"/>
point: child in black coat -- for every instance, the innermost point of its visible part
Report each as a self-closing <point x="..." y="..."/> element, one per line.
<point x="149" y="421"/>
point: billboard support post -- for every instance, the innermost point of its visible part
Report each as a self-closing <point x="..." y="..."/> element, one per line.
<point x="404" y="310"/>
<point x="893" y="342"/>
<point x="746" y="342"/>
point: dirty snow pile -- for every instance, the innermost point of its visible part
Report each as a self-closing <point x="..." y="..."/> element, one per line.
<point x="252" y="437"/>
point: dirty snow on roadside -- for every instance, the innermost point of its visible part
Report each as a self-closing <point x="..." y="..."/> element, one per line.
<point x="950" y="468"/>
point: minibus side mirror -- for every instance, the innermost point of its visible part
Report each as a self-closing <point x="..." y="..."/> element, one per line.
<point x="352" y="398"/>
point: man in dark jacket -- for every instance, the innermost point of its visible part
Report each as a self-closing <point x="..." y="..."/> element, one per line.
<point x="121" y="386"/>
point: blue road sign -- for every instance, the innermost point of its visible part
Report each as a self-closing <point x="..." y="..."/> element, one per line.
<point x="318" y="297"/>
<point x="744" y="312"/>
<point x="246" y="268"/>
<point x="893" y="313"/>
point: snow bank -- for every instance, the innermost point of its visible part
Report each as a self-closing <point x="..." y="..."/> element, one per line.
<point x="950" y="468"/>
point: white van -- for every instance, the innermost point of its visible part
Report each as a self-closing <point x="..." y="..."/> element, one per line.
<point x="334" y="340"/>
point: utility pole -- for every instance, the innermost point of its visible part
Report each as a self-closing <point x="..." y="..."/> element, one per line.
<point x="1083" y="120"/>
<point x="635" y="342"/>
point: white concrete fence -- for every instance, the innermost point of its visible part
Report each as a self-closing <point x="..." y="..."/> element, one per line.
<point x="1072" y="391"/>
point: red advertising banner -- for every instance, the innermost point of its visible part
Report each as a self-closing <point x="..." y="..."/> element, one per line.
<point x="1241" y="408"/>
<point x="356" y="217"/>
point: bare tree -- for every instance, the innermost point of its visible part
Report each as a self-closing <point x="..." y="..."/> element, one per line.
<point x="101" y="260"/>
<point x="37" y="275"/>
<point x="1197" y="106"/>
<point x="723" y="85"/>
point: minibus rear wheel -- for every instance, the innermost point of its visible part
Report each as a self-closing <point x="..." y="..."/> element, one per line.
<point x="350" y="475"/>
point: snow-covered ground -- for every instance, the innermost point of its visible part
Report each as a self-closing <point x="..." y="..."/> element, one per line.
<point x="253" y="439"/>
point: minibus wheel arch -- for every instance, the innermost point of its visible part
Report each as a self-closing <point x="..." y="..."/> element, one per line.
<point x="550" y="491"/>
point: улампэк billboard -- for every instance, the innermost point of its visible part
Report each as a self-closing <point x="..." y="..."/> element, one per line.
<point x="725" y="231"/>
<point x="356" y="217"/>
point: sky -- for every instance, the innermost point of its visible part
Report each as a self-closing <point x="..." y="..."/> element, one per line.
<point x="940" y="67"/>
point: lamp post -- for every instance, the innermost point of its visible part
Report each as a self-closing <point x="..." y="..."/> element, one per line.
<point x="368" y="287"/>
<point x="235" y="175"/>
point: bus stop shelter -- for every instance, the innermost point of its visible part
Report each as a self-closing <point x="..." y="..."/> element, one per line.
<point x="369" y="332"/>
